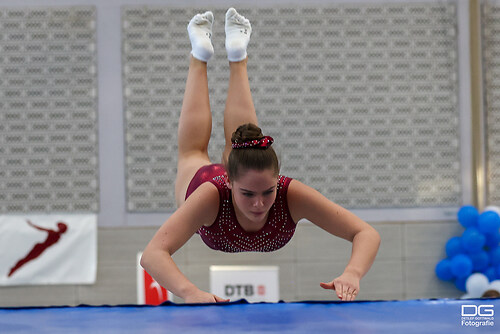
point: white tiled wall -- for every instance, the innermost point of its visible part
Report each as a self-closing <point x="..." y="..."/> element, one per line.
<point x="403" y="269"/>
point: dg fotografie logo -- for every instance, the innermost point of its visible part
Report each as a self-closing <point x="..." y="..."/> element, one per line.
<point x="478" y="315"/>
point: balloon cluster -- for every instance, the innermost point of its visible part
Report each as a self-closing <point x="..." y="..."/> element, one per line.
<point x="473" y="259"/>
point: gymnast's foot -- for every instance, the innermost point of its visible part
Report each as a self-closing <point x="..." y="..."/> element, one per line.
<point x="238" y="31"/>
<point x="200" y="35"/>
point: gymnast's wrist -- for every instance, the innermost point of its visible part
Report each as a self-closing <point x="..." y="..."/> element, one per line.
<point x="188" y="290"/>
<point x="353" y="271"/>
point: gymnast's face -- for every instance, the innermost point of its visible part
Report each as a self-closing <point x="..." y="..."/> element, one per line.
<point x="254" y="193"/>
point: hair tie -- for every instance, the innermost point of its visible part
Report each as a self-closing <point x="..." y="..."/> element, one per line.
<point x="264" y="143"/>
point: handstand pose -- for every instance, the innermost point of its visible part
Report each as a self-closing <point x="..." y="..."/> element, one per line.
<point x="242" y="204"/>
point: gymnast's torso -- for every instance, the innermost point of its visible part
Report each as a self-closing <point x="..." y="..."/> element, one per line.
<point x="226" y="234"/>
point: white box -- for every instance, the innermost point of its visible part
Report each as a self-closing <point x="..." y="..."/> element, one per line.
<point x="253" y="283"/>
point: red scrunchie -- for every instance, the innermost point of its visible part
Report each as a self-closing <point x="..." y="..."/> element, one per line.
<point x="264" y="143"/>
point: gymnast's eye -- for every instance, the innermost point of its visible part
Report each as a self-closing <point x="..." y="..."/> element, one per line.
<point x="248" y="194"/>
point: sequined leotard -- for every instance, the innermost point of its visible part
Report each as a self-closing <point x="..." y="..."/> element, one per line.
<point x="226" y="234"/>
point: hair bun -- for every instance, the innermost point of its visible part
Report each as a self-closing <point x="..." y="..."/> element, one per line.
<point x="246" y="132"/>
<point x="259" y="156"/>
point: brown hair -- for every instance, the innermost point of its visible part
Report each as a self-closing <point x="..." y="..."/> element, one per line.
<point x="491" y="294"/>
<point x="250" y="157"/>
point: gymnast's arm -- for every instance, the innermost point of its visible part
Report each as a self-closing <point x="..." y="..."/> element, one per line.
<point x="200" y="209"/>
<point x="38" y="227"/>
<point x="305" y="202"/>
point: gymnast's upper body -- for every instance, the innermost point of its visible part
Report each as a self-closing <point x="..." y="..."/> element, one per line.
<point x="246" y="205"/>
<point x="226" y="234"/>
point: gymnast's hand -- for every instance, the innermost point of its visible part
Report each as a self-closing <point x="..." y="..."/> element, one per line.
<point x="346" y="286"/>
<point x="200" y="296"/>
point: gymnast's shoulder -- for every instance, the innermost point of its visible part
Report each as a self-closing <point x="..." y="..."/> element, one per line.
<point x="202" y="205"/>
<point x="304" y="200"/>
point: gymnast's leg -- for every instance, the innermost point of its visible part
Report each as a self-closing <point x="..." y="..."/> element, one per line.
<point x="239" y="104"/>
<point x="195" y="122"/>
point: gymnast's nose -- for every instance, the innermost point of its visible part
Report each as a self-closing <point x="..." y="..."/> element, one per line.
<point x="259" y="202"/>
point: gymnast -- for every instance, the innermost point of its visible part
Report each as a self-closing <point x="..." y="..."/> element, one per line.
<point x="242" y="204"/>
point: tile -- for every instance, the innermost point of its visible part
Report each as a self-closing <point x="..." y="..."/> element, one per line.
<point x="287" y="280"/>
<point x="38" y="295"/>
<point x="422" y="282"/>
<point x="316" y="244"/>
<point x="114" y="285"/>
<point x="385" y="277"/>
<point x="391" y="244"/>
<point x="120" y="246"/>
<point x="428" y="240"/>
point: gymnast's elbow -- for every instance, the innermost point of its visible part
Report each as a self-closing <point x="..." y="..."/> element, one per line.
<point x="148" y="257"/>
<point x="375" y="236"/>
<point x="145" y="259"/>
<point x="152" y="255"/>
<point x="369" y="233"/>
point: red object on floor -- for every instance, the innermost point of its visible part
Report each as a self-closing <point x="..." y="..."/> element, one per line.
<point x="154" y="293"/>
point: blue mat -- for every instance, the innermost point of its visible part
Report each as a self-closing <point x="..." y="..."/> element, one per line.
<point x="411" y="316"/>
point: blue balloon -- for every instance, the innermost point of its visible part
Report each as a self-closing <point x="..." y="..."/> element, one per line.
<point x="488" y="222"/>
<point x="495" y="256"/>
<point x="492" y="240"/>
<point x="473" y="241"/>
<point x="468" y="216"/>
<point x="480" y="261"/>
<point x="461" y="265"/>
<point x="454" y="247"/>
<point x="443" y="270"/>
<point x="491" y="273"/>
<point x="460" y="283"/>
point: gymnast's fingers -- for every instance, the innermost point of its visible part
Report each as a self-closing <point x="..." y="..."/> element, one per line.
<point x="351" y="295"/>
<point x="340" y="289"/>
<point x="220" y="300"/>
<point x="354" y="294"/>
<point x="329" y="286"/>
<point x="346" y="293"/>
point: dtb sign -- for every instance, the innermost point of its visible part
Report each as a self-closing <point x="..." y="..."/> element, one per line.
<point x="253" y="283"/>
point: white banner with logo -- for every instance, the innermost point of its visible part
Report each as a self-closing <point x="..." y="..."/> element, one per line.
<point x="253" y="283"/>
<point x="48" y="249"/>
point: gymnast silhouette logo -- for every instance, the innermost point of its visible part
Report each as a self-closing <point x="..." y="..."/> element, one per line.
<point x="53" y="237"/>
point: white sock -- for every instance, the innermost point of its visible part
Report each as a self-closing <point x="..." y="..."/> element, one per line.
<point x="200" y="35"/>
<point x="238" y="31"/>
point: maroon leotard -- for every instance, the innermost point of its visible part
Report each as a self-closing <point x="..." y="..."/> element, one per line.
<point x="226" y="234"/>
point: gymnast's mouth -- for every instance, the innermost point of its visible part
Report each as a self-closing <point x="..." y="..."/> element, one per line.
<point x="258" y="213"/>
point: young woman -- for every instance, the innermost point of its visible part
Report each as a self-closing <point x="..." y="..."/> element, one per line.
<point x="242" y="204"/>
